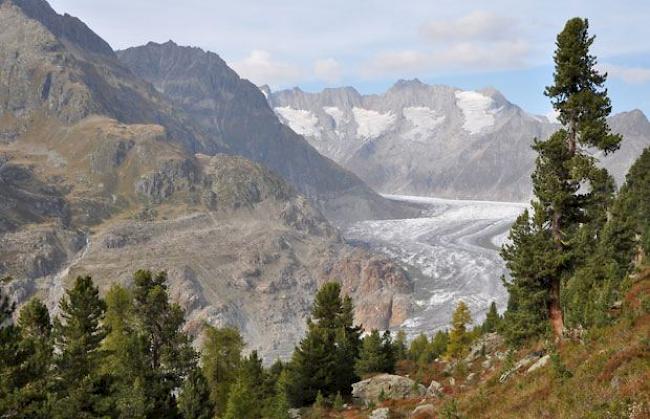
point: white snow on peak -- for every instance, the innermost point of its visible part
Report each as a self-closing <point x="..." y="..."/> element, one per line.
<point x="371" y="124"/>
<point x="335" y="113"/>
<point x="301" y="121"/>
<point x="424" y="121"/>
<point x="478" y="110"/>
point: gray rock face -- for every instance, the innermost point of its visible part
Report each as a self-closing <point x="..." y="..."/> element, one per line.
<point x="393" y="387"/>
<point x="417" y="139"/>
<point x="236" y="110"/>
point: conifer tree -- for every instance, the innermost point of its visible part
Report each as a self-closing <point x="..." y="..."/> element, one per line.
<point x="9" y="341"/>
<point x="82" y="390"/>
<point x="221" y="357"/>
<point x="169" y="354"/>
<point x="31" y="396"/>
<point x="373" y="357"/>
<point x="324" y="359"/>
<point x="458" y="338"/>
<point x="400" y="348"/>
<point x="278" y="406"/>
<point x="241" y="401"/>
<point x="571" y="192"/>
<point x="194" y="399"/>
<point x="126" y="360"/>
<point x="492" y="319"/>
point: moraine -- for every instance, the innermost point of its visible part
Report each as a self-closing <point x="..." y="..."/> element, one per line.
<point x="451" y="252"/>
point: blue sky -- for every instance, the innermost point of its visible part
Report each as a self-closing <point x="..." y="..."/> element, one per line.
<point x="369" y="44"/>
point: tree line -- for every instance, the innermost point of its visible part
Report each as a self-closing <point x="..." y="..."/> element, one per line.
<point x="126" y="356"/>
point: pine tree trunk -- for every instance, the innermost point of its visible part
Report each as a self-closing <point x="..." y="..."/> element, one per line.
<point x="555" y="310"/>
<point x="554" y="307"/>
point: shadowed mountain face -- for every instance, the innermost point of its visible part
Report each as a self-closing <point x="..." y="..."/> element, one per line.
<point x="235" y="110"/>
<point x="102" y="174"/>
<point x="417" y="139"/>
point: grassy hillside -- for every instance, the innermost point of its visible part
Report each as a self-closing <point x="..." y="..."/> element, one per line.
<point x="600" y="373"/>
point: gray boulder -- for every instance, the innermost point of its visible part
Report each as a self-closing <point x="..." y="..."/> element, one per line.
<point x="393" y="387"/>
<point x="381" y="413"/>
<point x="435" y="389"/>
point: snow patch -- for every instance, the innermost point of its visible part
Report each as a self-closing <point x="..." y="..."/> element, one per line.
<point x="371" y="124"/>
<point x="301" y="121"/>
<point x="336" y="114"/>
<point x="478" y="110"/>
<point x="424" y="120"/>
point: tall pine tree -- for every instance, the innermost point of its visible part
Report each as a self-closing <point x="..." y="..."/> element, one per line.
<point x="571" y="192"/>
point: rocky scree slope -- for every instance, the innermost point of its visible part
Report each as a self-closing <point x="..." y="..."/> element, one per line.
<point x="417" y="139"/>
<point x="99" y="176"/>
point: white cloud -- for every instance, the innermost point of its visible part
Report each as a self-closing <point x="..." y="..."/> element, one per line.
<point x="465" y="56"/>
<point x="260" y="68"/>
<point x="328" y="69"/>
<point x="632" y="75"/>
<point x="478" y="25"/>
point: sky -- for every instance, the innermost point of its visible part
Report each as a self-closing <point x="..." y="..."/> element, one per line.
<point x="370" y="44"/>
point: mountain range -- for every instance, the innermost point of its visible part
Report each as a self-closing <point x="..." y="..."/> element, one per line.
<point x="418" y="139"/>
<point x="106" y="169"/>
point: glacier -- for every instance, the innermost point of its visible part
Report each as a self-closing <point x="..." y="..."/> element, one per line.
<point x="451" y="252"/>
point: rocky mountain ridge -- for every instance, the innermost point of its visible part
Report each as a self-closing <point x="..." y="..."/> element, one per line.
<point x="102" y="174"/>
<point x="224" y="105"/>
<point x="417" y="139"/>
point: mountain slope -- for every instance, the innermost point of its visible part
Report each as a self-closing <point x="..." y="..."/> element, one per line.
<point x="203" y="86"/>
<point x="100" y="175"/>
<point x="435" y="140"/>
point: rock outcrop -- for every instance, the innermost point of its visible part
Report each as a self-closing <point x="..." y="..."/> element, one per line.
<point x="388" y="386"/>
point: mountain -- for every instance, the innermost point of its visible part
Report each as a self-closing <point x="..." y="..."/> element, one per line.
<point x="102" y="174"/>
<point x="417" y="139"/>
<point x="233" y="109"/>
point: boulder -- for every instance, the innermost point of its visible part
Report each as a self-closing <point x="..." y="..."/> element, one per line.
<point x="487" y="344"/>
<point x="435" y="389"/>
<point x="423" y="411"/>
<point x="393" y="387"/>
<point x="381" y="413"/>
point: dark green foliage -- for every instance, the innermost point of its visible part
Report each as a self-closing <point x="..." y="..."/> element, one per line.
<point x="572" y="195"/>
<point x="30" y="397"/>
<point x="82" y="390"/>
<point x="194" y="399"/>
<point x="324" y="360"/>
<point x="126" y="348"/>
<point x="376" y="355"/>
<point x="9" y="359"/>
<point x="168" y="352"/>
<point x="492" y="320"/>
<point x="400" y="348"/>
